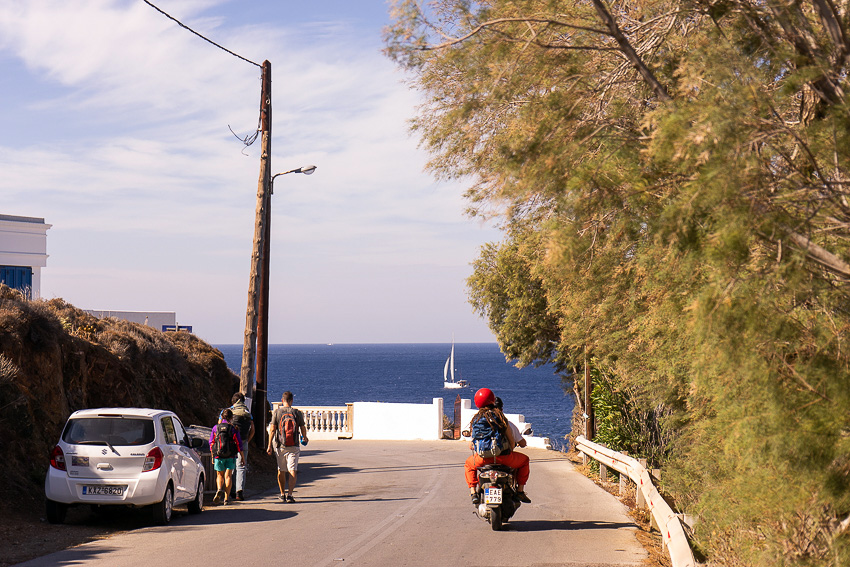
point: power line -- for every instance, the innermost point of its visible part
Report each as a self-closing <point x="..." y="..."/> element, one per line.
<point x="182" y="25"/>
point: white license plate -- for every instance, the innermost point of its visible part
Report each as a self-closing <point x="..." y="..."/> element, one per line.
<point x="103" y="490"/>
<point x="493" y="496"/>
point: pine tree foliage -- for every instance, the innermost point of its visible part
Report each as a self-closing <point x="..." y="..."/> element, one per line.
<point x="505" y="288"/>
<point x="673" y="178"/>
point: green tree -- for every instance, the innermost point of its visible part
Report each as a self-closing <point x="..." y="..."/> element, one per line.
<point x="685" y="164"/>
<point x="505" y="289"/>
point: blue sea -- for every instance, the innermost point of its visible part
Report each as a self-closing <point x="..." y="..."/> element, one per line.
<point x="333" y="375"/>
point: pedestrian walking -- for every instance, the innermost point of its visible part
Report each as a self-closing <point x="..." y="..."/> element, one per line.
<point x="225" y="445"/>
<point x="286" y="424"/>
<point x="244" y="421"/>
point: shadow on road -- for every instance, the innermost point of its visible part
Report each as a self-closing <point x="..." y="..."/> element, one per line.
<point x="565" y="525"/>
<point x="358" y="497"/>
<point x="78" y="555"/>
<point x="313" y="471"/>
<point x="309" y="472"/>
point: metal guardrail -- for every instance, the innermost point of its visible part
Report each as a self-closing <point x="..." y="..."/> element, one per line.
<point x="669" y="524"/>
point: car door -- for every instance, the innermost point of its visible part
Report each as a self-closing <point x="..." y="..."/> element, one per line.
<point x="189" y="462"/>
<point x="192" y="464"/>
<point x="172" y="458"/>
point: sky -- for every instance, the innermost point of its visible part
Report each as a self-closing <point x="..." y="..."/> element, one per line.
<point x="116" y="130"/>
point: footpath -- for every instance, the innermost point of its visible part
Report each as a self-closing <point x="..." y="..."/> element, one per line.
<point x="386" y="503"/>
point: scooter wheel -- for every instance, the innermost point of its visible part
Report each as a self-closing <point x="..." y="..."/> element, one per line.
<point x="496" y="519"/>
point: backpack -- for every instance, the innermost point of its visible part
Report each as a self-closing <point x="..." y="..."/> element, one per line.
<point x="224" y="446"/>
<point x="242" y="420"/>
<point x="489" y="437"/>
<point x="287" y="428"/>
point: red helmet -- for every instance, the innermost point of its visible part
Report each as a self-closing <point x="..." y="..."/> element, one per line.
<point x="484" y="397"/>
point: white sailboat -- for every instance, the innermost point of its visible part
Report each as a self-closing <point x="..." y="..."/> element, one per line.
<point x="449" y="372"/>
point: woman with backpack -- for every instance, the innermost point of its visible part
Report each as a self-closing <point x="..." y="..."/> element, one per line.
<point x="225" y="444"/>
<point x="493" y="441"/>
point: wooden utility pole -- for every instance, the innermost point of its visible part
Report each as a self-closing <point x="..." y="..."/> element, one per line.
<point x="261" y="387"/>
<point x="246" y="377"/>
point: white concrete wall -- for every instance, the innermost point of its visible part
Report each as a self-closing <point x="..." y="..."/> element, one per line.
<point x="383" y="421"/>
<point x="23" y="242"/>
<point x="408" y="422"/>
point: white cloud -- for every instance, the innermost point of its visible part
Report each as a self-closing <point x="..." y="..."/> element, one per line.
<point x="152" y="198"/>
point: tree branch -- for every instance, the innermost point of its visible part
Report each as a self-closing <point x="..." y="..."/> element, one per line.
<point x="630" y="53"/>
<point x="831" y="20"/>
<point x="820" y="254"/>
<point x="485" y="25"/>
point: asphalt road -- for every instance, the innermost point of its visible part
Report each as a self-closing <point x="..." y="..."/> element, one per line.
<point x="385" y="503"/>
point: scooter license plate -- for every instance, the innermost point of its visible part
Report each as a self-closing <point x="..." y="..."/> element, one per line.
<point x="493" y="496"/>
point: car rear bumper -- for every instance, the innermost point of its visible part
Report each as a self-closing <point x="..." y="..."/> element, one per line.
<point x="148" y="489"/>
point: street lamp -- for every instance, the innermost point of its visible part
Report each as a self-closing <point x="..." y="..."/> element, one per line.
<point x="306" y="170"/>
<point x="258" y="407"/>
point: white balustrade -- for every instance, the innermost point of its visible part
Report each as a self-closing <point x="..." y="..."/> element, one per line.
<point x="326" y="422"/>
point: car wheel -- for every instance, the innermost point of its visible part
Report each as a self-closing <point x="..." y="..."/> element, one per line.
<point x="196" y="506"/>
<point x="162" y="510"/>
<point x="55" y="511"/>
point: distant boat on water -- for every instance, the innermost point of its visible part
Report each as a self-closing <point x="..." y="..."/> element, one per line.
<point x="449" y="372"/>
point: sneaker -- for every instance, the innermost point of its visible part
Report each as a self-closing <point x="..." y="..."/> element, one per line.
<point x="476" y="498"/>
<point x="523" y="497"/>
<point x="218" y="497"/>
<point x="239" y="496"/>
<point x="226" y="502"/>
<point x="281" y="497"/>
<point x="290" y="499"/>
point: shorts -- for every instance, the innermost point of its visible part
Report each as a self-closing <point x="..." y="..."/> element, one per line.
<point x="287" y="458"/>
<point x="222" y="465"/>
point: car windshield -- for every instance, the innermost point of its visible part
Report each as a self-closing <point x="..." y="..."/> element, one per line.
<point x="113" y="430"/>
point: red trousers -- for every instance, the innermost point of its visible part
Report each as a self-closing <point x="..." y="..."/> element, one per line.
<point x="515" y="460"/>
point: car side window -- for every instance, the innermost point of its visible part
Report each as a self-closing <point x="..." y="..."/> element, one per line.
<point x="179" y="432"/>
<point x="168" y="429"/>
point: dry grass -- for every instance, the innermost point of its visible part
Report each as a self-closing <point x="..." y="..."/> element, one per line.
<point x="56" y="359"/>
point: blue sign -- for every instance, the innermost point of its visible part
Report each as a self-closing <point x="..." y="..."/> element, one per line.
<point x="187" y="328"/>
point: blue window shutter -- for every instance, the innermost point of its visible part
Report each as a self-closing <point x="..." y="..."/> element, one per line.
<point x="17" y="277"/>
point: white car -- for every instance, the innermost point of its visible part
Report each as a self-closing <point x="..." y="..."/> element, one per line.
<point x="125" y="457"/>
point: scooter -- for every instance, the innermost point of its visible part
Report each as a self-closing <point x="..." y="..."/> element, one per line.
<point x="498" y="494"/>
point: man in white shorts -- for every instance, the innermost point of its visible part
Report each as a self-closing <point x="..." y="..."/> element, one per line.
<point x="287" y="423"/>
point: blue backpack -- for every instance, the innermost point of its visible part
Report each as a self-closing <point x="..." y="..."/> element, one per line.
<point x="489" y="437"/>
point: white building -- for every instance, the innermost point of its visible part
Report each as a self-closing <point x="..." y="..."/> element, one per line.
<point x="23" y="253"/>
<point x="159" y="320"/>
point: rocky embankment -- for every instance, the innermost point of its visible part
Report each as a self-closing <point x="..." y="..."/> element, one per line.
<point x="56" y="359"/>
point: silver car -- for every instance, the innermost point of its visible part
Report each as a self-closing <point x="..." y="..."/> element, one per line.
<point x="125" y="457"/>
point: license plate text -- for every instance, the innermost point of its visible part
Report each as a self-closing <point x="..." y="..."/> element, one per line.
<point x="493" y="496"/>
<point x="103" y="490"/>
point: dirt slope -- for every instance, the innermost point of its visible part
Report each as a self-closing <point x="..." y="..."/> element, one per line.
<point x="56" y="359"/>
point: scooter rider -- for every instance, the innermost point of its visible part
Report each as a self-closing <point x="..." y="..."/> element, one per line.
<point x="485" y="401"/>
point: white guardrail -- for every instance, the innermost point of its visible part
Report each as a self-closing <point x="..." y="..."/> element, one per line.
<point x="669" y="524"/>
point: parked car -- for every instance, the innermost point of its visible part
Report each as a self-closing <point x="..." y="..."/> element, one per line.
<point x="125" y="457"/>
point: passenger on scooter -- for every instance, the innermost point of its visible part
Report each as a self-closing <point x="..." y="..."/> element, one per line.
<point x="518" y="438"/>
<point x="485" y="401"/>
